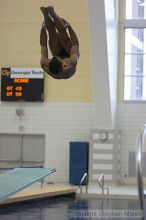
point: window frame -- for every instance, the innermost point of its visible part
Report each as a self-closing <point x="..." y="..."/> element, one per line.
<point x="131" y="23"/>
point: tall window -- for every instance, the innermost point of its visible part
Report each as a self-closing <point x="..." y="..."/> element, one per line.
<point x="135" y="50"/>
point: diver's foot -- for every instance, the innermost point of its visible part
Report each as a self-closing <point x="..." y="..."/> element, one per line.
<point x="44" y="10"/>
<point x="51" y="10"/>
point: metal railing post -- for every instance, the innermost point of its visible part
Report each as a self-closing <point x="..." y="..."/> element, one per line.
<point x="101" y="184"/>
<point x="140" y="145"/>
<point x="85" y="177"/>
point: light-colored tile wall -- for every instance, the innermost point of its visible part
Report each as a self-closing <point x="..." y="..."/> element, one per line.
<point x="130" y="119"/>
<point x="60" y="122"/>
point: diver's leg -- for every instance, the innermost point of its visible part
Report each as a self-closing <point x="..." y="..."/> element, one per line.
<point x="54" y="43"/>
<point x="61" y="25"/>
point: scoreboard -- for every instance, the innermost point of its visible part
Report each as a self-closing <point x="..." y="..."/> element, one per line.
<point x="22" y="84"/>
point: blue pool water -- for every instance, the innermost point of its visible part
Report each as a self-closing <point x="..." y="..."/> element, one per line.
<point x="69" y="208"/>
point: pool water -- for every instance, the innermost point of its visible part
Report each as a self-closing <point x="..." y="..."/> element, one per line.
<point x="62" y="208"/>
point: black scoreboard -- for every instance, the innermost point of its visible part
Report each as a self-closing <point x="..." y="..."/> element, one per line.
<point x="22" y="84"/>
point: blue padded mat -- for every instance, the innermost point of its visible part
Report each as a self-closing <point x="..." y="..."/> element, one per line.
<point x="17" y="179"/>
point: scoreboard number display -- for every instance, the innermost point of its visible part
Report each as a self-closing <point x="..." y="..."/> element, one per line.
<point x="22" y="84"/>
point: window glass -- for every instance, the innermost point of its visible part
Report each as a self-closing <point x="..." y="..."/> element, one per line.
<point x="134" y="88"/>
<point x="135" y="9"/>
<point x="135" y="64"/>
<point x="135" y="39"/>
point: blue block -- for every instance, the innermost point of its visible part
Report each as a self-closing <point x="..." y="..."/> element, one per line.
<point x="78" y="164"/>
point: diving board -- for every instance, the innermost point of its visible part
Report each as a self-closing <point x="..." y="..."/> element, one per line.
<point x="17" y="179"/>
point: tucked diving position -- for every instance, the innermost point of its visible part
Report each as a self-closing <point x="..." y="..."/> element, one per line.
<point x="63" y="44"/>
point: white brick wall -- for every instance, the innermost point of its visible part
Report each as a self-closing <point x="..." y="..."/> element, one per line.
<point x="130" y="119"/>
<point x="64" y="122"/>
<point x="60" y="122"/>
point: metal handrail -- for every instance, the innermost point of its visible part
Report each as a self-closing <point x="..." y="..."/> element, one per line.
<point x="84" y="177"/>
<point x="101" y="184"/>
<point x="140" y="144"/>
